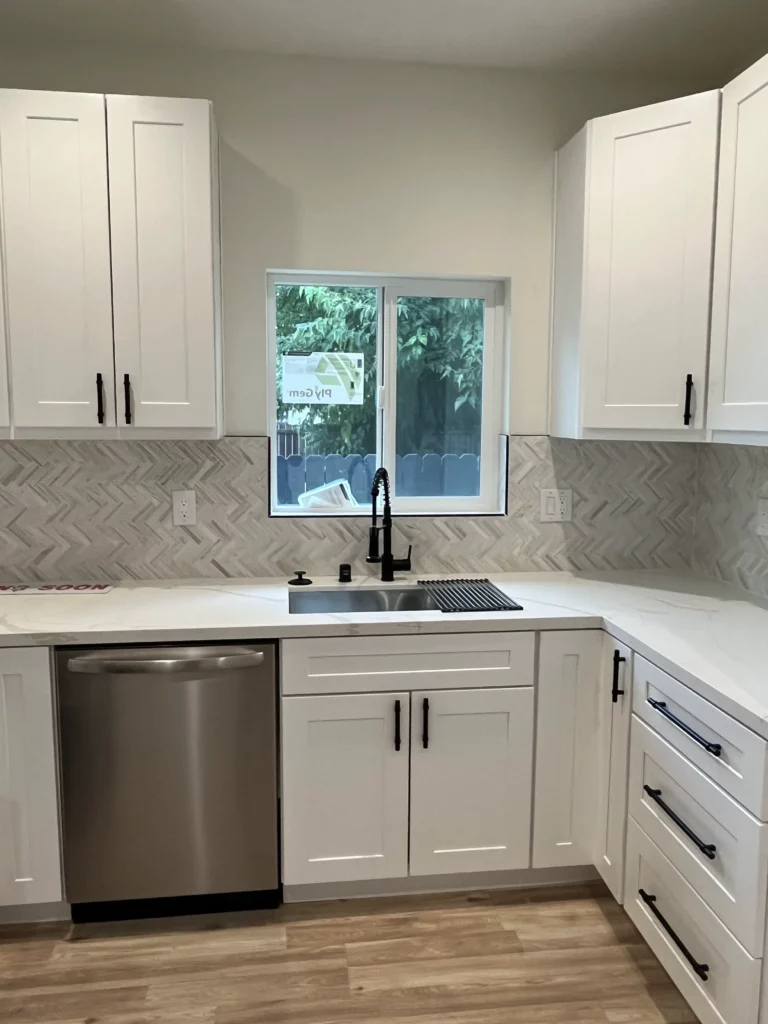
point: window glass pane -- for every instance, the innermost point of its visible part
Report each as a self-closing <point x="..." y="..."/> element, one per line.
<point x="439" y="396"/>
<point x="326" y="388"/>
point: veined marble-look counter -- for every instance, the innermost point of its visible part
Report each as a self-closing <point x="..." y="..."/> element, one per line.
<point x="710" y="636"/>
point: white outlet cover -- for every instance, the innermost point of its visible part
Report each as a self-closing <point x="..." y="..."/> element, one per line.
<point x="184" y="508"/>
<point x="555" y="505"/>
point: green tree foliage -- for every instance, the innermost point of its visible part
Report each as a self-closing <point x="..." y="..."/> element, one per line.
<point x="439" y="353"/>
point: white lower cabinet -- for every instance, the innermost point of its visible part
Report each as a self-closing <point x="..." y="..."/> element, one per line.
<point x="29" y="823"/>
<point x="587" y="755"/>
<point x="714" y="973"/>
<point x="720" y="848"/>
<point x="725" y="750"/>
<point x="614" y="713"/>
<point x="471" y="767"/>
<point x="566" y="748"/>
<point x="345" y="787"/>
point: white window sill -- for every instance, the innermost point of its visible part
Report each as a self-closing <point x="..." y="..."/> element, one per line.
<point x="364" y="512"/>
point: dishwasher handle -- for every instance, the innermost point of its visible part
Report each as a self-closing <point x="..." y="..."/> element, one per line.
<point x="191" y="659"/>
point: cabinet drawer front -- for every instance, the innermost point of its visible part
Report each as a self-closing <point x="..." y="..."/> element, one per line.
<point x="380" y="663"/>
<point x="730" y="875"/>
<point x="730" y="993"/>
<point x="471" y="776"/>
<point x="688" y="722"/>
<point x="345" y="787"/>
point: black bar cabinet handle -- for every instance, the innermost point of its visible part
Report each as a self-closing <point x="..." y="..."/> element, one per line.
<point x="712" y="748"/>
<point x="700" y="969"/>
<point x="425" y="727"/>
<point x="100" y="397"/>
<point x="708" y="849"/>
<point x="397" y="725"/>
<point x="127" y="392"/>
<point x="615" y="691"/>
<point x="688" y="397"/>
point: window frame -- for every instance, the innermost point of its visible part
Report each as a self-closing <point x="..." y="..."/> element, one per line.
<point x="493" y="443"/>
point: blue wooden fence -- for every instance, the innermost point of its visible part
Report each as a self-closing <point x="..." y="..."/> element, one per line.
<point x="415" y="475"/>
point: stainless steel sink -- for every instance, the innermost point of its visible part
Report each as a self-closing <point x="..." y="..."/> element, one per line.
<point x="395" y="599"/>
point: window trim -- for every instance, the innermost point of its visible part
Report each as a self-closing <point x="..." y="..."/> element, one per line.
<point x="493" y="464"/>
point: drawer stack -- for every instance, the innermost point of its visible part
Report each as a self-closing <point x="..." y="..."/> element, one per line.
<point x="697" y="845"/>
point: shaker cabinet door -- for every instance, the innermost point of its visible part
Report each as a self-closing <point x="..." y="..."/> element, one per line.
<point x="345" y="787"/>
<point x="471" y="778"/>
<point x="650" y="196"/>
<point x="55" y="217"/>
<point x="564" y="813"/>
<point x="738" y="393"/>
<point x="29" y="824"/>
<point x="162" y="204"/>
<point x="614" y="713"/>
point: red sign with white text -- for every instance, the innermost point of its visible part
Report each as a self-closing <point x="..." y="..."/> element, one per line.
<point x="55" y="588"/>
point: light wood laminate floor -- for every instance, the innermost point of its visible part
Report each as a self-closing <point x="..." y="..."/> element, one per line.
<point x="544" y="956"/>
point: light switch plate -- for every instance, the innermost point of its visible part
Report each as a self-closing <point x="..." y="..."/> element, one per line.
<point x="761" y="523"/>
<point x="184" y="508"/>
<point x="555" y="505"/>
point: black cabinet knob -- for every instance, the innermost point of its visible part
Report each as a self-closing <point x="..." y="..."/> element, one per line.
<point x="300" y="580"/>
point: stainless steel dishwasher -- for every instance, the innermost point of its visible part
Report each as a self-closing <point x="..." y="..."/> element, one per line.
<point x="168" y="774"/>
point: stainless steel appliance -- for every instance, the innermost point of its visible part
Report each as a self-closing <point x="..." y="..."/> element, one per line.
<point x="168" y="763"/>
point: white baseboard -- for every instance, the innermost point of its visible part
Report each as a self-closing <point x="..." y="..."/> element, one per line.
<point x="35" y="913"/>
<point x="437" y="883"/>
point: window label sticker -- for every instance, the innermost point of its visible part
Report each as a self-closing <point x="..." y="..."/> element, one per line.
<point x="323" y="378"/>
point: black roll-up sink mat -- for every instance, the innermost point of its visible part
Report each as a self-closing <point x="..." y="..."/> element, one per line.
<point x="469" y="596"/>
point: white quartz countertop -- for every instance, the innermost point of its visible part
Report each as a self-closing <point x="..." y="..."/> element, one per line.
<point x="710" y="636"/>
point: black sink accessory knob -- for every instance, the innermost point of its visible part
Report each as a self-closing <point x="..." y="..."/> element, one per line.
<point x="345" y="573"/>
<point x="300" y="580"/>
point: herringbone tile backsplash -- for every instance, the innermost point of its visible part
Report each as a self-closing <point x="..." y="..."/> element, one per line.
<point x="731" y="479"/>
<point x="93" y="510"/>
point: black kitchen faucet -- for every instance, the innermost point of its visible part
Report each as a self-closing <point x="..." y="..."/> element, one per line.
<point x="389" y="565"/>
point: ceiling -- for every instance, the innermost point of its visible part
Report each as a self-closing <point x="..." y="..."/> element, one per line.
<point x="713" y="37"/>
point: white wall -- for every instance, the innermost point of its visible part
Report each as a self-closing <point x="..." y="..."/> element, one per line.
<point x="364" y="166"/>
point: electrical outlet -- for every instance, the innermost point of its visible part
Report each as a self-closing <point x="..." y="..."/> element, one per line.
<point x="761" y="523"/>
<point x="184" y="508"/>
<point x="555" y="505"/>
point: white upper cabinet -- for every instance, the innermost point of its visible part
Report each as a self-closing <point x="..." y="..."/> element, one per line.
<point x="738" y="391"/>
<point x="56" y="252"/>
<point x="109" y="214"/>
<point x="161" y="180"/>
<point x="5" y="408"/>
<point x="29" y="823"/>
<point x="633" y="252"/>
<point x="471" y="773"/>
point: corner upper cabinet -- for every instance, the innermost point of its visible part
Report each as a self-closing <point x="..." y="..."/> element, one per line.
<point x="55" y="216"/>
<point x="164" y="223"/>
<point x="738" y="389"/>
<point x="635" y="197"/>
